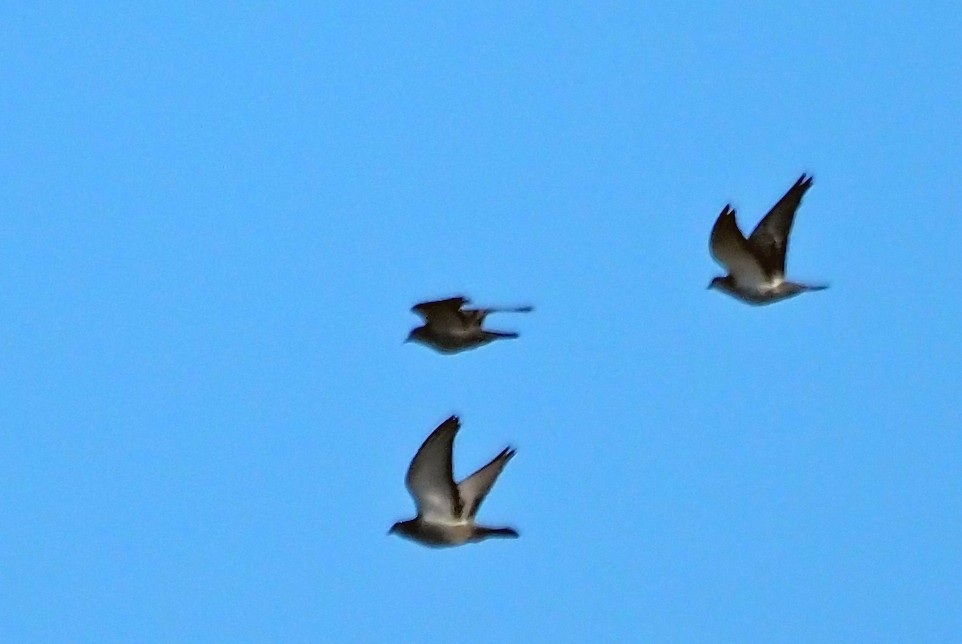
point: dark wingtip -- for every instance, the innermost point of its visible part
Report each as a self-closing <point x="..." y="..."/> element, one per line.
<point x="453" y="419"/>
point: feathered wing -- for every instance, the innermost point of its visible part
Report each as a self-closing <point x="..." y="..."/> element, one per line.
<point x="439" y="308"/>
<point x="769" y="240"/>
<point x="430" y="478"/>
<point x="527" y="308"/>
<point x="476" y="317"/>
<point x="473" y="489"/>
<point x="731" y="250"/>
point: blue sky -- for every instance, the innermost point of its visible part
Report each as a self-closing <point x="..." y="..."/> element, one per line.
<point x="214" y="220"/>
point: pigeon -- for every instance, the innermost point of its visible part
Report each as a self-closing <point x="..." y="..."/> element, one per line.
<point x="450" y="328"/>
<point x="756" y="266"/>
<point x="446" y="510"/>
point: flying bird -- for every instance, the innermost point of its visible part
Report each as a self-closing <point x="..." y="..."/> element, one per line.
<point x="756" y="266"/>
<point x="446" y="510"/>
<point x="451" y="328"/>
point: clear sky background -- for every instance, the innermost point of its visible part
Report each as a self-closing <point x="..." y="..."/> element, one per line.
<point x="214" y="220"/>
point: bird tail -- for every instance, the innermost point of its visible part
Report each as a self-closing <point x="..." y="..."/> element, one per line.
<point x="499" y="335"/>
<point x="503" y="533"/>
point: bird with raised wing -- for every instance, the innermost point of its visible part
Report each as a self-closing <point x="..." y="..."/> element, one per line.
<point x="451" y="328"/>
<point x="446" y="509"/>
<point x="756" y="266"/>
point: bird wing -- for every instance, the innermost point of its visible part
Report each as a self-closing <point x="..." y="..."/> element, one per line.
<point x="473" y="489"/>
<point x="445" y="312"/>
<point x="430" y="478"/>
<point x="731" y="250"/>
<point x="769" y="240"/>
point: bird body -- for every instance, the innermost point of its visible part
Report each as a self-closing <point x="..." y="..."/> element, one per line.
<point x="756" y="266"/>
<point x="451" y="328"/>
<point x="763" y="293"/>
<point x="446" y="510"/>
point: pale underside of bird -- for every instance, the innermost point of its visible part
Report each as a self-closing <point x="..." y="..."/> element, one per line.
<point x="446" y="509"/>
<point x="451" y="328"/>
<point x="756" y="266"/>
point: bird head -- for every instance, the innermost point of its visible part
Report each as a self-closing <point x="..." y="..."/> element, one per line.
<point x="403" y="528"/>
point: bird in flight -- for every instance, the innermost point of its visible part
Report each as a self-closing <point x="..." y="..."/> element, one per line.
<point x="446" y="510"/>
<point x="756" y="266"/>
<point x="451" y="328"/>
